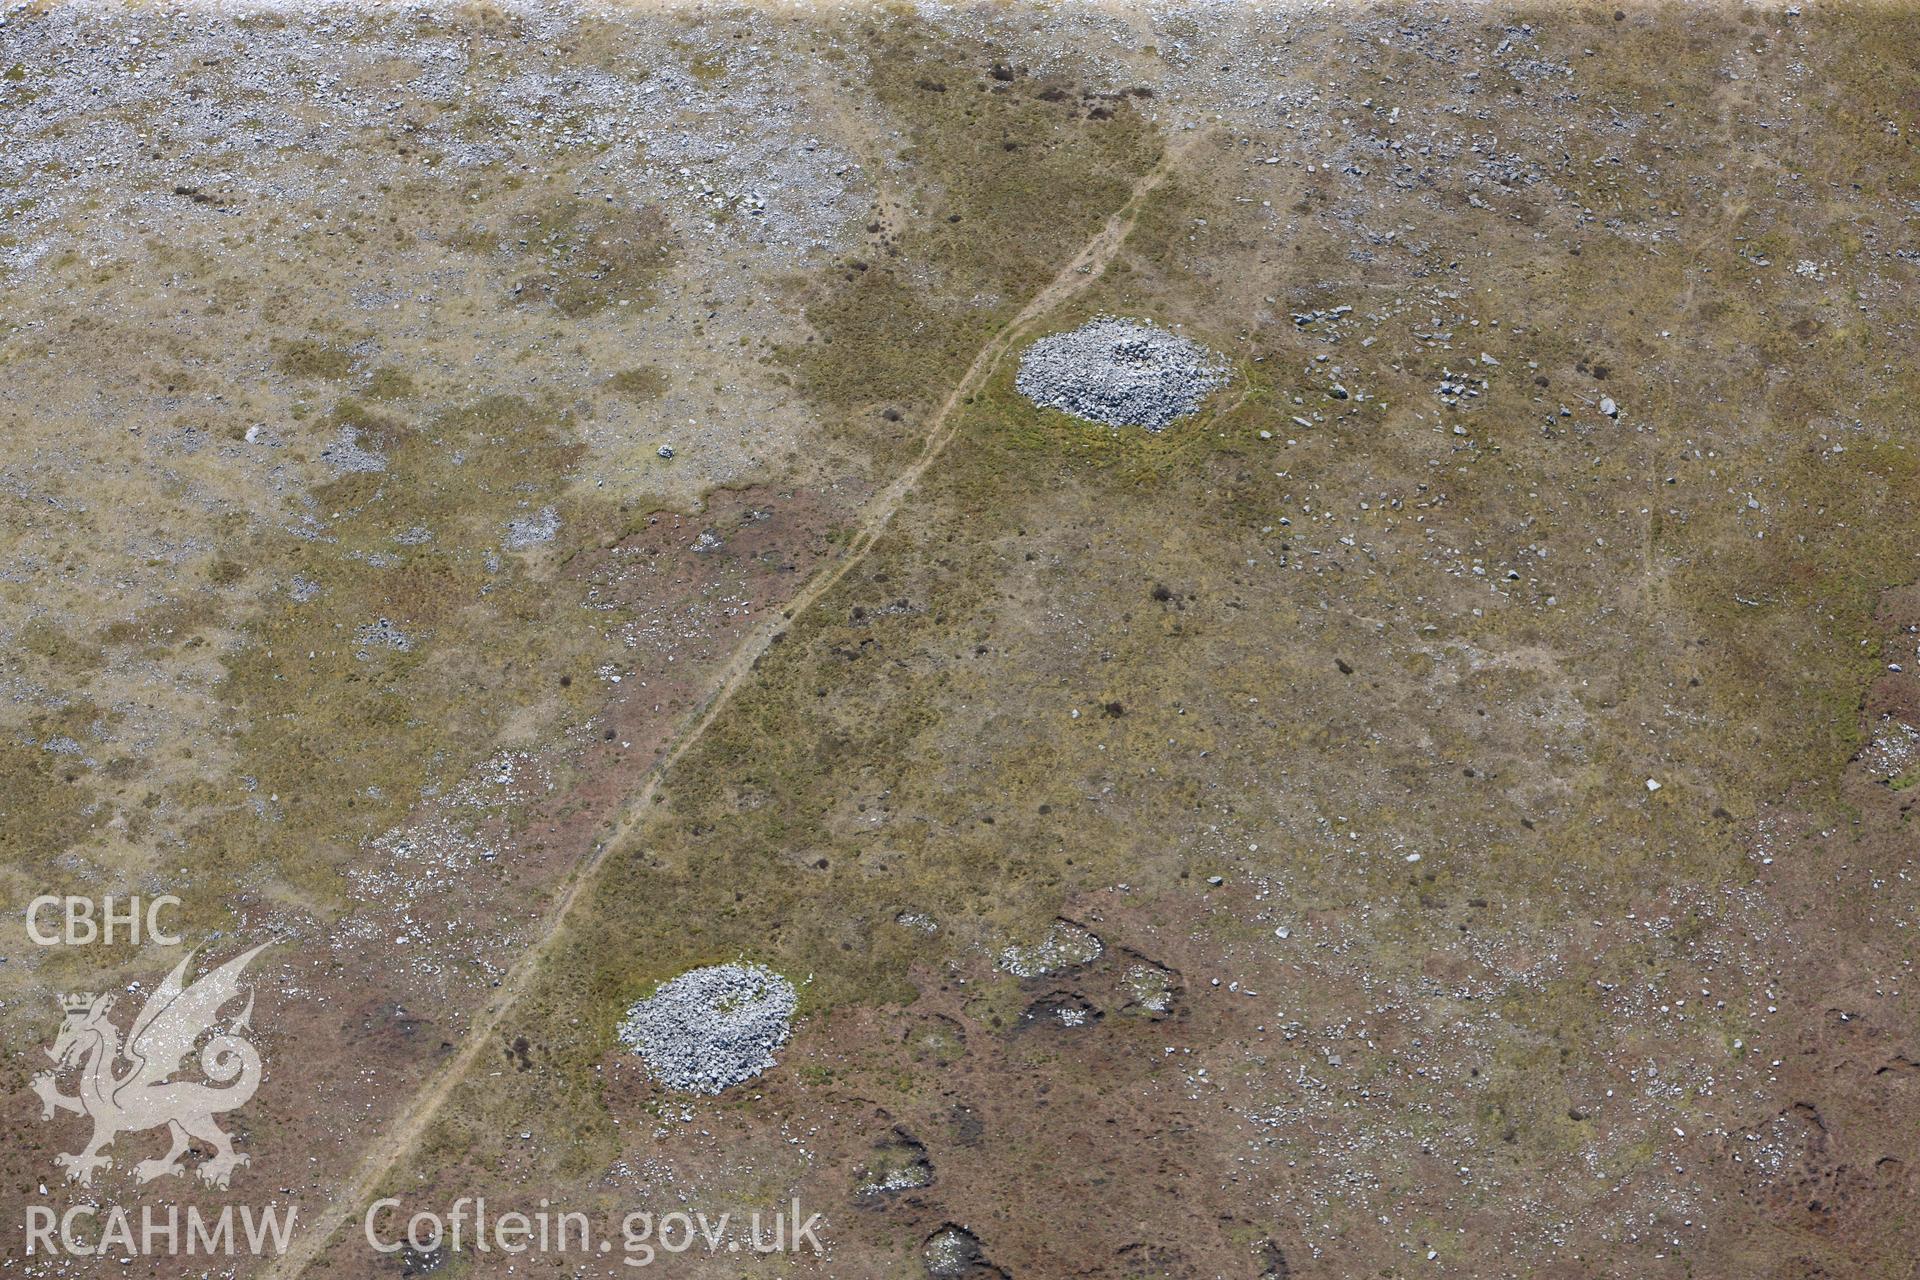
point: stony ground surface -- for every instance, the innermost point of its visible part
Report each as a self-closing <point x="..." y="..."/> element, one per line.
<point x="516" y="503"/>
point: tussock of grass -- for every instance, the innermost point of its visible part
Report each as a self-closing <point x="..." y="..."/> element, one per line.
<point x="1009" y="177"/>
<point x="588" y="256"/>
<point x="312" y="358"/>
<point x="337" y="737"/>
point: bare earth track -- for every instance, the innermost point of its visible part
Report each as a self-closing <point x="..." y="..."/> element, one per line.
<point x="513" y="503"/>
<point x="417" y="1116"/>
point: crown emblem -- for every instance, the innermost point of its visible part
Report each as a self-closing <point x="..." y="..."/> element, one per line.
<point x="78" y="1002"/>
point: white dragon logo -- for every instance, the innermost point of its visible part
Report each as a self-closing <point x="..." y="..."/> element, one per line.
<point x="142" y="1097"/>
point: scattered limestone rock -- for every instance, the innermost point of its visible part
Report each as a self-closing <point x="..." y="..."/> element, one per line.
<point x="1066" y="945"/>
<point x="380" y="634"/>
<point x="1152" y="989"/>
<point x="531" y="531"/>
<point x="898" y="1163"/>
<point x="918" y="921"/>
<point x="1892" y="750"/>
<point x="953" y="1253"/>
<point x="1068" y="1010"/>
<point x="346" y="457"/>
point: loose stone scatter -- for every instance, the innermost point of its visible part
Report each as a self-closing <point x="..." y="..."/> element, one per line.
<point x="898" y="1163"/>
<point x="346" y="455"/>
<point x="531" y="531"/>
<point x="1151" y="987"/>
<point x="381" y="634"/>
<point x="1892" y="750"/>
<point x="953" y="1253"/>
<point x="712" y="1028"/>
<point x="1121" y="373"/>
<point x="1066" y="945"/>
